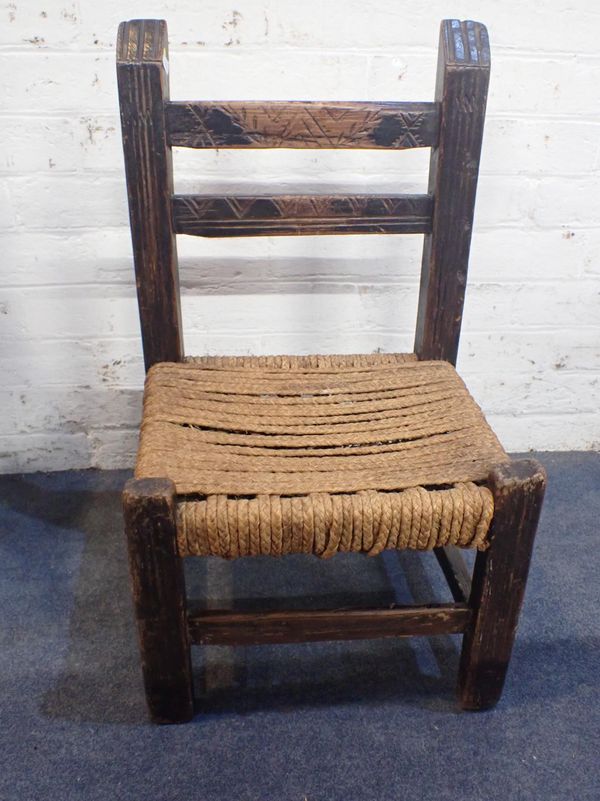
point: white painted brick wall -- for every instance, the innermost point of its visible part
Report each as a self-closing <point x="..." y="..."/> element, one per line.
<point x="71" y="355"/>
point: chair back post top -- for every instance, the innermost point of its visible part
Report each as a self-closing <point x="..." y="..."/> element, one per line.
<point x="451" y="125"/>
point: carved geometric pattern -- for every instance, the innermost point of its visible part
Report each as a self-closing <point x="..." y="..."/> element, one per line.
<point x="302" y="125"/>
<point x="203" y="215"/>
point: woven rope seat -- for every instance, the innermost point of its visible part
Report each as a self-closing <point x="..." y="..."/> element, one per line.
<point x="318" y="454"/>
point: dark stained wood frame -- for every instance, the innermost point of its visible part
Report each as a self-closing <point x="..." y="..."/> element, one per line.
<point x="223" y="627"/>
<point x="143" y="82"/>
<point x="159" y="597"/>
<point x="485" y="609"/>
<point x="463" y="75"/>
<point x="302" y="125"/>
<point x="499" y="581"/>
<point x="203" y="215"/>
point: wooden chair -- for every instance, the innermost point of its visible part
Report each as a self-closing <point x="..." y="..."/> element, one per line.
<point x="320" y="454"/>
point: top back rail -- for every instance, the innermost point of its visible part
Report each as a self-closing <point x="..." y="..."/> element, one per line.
<point x="270" y="124"/>
<point x="451" y="125"/>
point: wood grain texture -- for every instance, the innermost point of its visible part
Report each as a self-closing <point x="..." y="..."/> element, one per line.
<point x="217" y="627"/>
<point x="455" y="570"/>
<point x="159" y="598"/>
<point x="461" y="91"/>
<point x="300" y="214"/>
<point x="264" y="124"/>
<point x="142" y="54"/>
<point x="499" y="581"/>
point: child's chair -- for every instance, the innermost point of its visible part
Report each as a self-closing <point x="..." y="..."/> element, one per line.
<point x="275" y="455"/>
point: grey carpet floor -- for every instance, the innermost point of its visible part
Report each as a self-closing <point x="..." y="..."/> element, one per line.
<point x="370" y="720"/>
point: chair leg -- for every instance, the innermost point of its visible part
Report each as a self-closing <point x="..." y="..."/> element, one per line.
<point x="159" y="598"/>
<point x="499" y="580"/>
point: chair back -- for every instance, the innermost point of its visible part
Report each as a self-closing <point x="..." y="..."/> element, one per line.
<point x="451" y="126"/>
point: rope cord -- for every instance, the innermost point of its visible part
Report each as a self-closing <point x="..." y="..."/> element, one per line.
<point x="318" y="454"/>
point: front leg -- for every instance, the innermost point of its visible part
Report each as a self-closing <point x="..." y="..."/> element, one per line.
<point x="499" y="580"/>
<point x="159" y="598"/>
